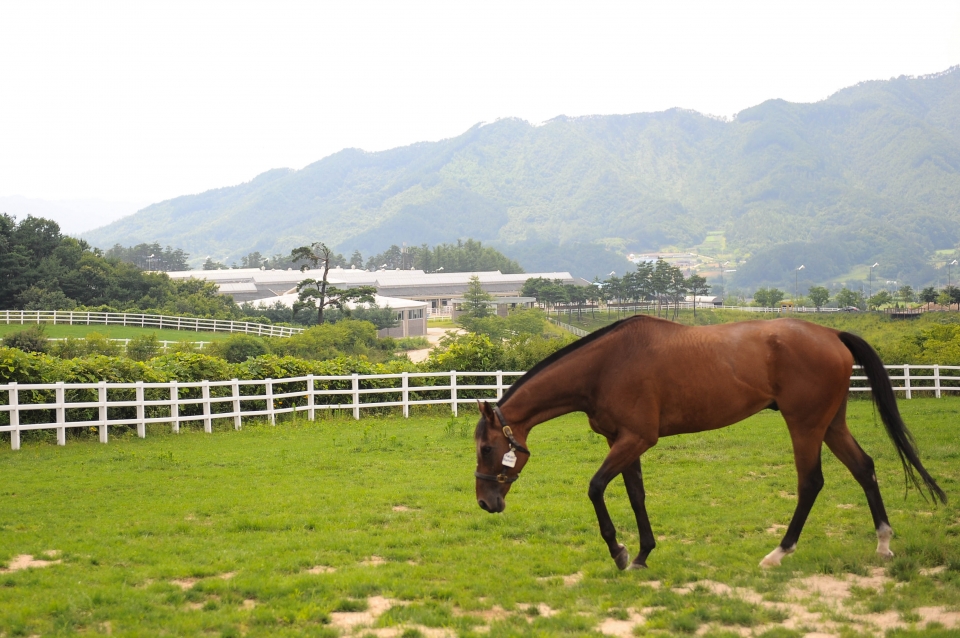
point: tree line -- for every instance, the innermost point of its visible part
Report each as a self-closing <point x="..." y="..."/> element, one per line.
<point x="658" y="284"/>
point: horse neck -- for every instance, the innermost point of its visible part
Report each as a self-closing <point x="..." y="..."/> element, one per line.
<point x="556" y="390"/>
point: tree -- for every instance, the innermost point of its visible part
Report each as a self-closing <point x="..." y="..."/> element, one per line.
<point x="928" y="294"/>
<point x="819" y="296"/>
<point x="847" y="298"/>
<point x="317" y="293"/>
<point x="954" y="294"/>
<point x="698" y="287"/>
<point x="880" y="299"/>
<point x="768" y="298"/>
<point x="252" y="260"/>
<point x="476" y="299"/>
<point x="905" y="293"/>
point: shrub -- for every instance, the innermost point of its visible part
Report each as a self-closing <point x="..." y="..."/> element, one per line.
<point x="32" y="339"/>
<point x="238" y="348"/>
<point x="143" y="347"/>
<point x="96" y="343"/>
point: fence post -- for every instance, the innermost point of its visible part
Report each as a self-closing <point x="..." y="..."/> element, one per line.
<point x="356" y="396"/>
<point x="14" y="401"/>
<point x="453" y="392"/>
<point x="268" y="383"/>
<point x="235" y="393"/>
<point x="906" y="379"/>
<point x="205" y="393"/>
<point x="102" y="400"/>
<point x="405" y="393"/>
<point x="175" y="406"/>
<point x="141" y="412"/>
<point x="61" y="414"/>
<point x="311" y="410"/>
<point x="499" y="384"/>
<point x="936" y="380"/>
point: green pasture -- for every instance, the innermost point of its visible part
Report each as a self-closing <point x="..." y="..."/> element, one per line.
<point x="60" y="331"/>
<point x="278" y="530"/>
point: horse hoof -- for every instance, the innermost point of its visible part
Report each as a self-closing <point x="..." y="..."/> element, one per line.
<point x="622" y="559"/>
<point x="887" y="554"/>
<point x="773" y="558"/>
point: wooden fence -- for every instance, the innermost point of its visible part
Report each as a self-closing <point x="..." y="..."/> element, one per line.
<point x="75" y="318"/>
<point x="58" y="406"/>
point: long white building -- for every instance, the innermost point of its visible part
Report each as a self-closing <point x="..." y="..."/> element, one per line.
<point x="436" y="289"/>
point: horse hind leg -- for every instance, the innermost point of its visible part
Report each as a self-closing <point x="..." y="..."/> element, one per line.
<point x="845" y="447"/>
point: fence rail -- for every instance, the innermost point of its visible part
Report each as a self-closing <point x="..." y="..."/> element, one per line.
<point x="59" y="406"/>
<point x="75" y="318"/>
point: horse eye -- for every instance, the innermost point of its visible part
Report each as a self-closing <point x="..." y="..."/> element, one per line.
<point x="486" y="449"/>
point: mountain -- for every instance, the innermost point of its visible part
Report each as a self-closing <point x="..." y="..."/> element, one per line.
<point x="870" y="174"/>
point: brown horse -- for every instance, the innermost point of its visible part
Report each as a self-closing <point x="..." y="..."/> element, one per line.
<point x="643" y="378"/>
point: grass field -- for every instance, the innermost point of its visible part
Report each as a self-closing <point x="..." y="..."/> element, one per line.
<point x="60" y="331"/>
<point x="372" y="528"/>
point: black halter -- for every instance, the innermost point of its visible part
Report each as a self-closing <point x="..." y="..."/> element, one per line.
<point x="515" y="446"/>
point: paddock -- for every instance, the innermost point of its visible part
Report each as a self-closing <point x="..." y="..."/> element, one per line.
<point x="370" y="527"/>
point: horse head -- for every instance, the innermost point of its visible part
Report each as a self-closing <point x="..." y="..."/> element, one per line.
<point x="500" y="457"/>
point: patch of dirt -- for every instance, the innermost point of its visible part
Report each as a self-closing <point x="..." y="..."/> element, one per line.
<point x="932" y="571"/>
<point x="374" y="561"/>
<point x="543" y="609"/>
<point x="27" y="561"/>
<point x="845" y="506"/>
<point x="776" y="528"/>
<point x="486" y="615"/>
<point x="348" y="621"/>
<point x="321" y="569"/>
<point x="249" y="603"/>
<point x="184" y="583"/>
<point x="812" y="603"/>
<point x="403" y="508"/>
<point x="227" y="575"/>
<point x="624" y="628"/>
<point x="569" y="580"/>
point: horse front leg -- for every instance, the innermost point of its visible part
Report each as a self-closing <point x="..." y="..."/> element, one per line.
<point x="622" y="454"/>
<point x="633" y="480"/>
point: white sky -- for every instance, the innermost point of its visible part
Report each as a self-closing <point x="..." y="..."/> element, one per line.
<point x="138" y="101"/>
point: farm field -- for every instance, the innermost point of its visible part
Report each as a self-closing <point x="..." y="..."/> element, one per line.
<point x="342" y="527"/>
<point x="60" y="331"/>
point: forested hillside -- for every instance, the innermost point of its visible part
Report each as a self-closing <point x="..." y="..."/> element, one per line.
<point x="871" y="174"/>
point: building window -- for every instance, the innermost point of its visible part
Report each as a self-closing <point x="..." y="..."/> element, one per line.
<point x="400" y="316"/>
<point x="415" y="314"/>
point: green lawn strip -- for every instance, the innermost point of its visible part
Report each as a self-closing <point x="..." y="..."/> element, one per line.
<point x="59" y="331"/>
<point x="270" y="502"/>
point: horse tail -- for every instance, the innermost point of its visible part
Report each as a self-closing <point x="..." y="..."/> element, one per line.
<point x="886" y="403"/>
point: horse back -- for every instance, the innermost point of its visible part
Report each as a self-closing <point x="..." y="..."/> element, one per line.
<point x="691" y="379"/>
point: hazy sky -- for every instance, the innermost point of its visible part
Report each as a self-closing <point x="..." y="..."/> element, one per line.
<point x="139" y="101"/>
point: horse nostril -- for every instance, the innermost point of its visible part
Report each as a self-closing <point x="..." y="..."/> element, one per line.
<point x="483" y="505"/>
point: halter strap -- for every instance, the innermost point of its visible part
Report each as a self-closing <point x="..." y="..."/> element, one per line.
<point x="502" y="477"/>
<point x="508" y="432"/>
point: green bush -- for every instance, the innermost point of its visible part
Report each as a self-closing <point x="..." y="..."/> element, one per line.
<point x="238" y="348"/>
<point x="143" y="347"/>
<point x="32" y="339"/>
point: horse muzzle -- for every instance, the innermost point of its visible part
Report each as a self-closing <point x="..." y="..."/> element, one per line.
<point x="493" y="505"/>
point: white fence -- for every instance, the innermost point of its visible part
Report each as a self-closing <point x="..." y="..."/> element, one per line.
<point x="164" y="345"/>
<point x="101" y="405"/>
<point x="58" y="406"/>
<point x="75" y="318"/>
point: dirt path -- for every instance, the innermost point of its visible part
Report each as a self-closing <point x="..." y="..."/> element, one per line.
<point x="433" y="336"/>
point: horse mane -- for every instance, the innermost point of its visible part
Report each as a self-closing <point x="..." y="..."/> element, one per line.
<point x="561" y="353"/>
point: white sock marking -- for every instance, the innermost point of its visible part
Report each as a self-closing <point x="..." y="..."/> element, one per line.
<point x="884" y="534"/>
<point x="773" y="558"/>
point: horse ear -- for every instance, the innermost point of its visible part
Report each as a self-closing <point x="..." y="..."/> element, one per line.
<point x="486" y="411"/>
